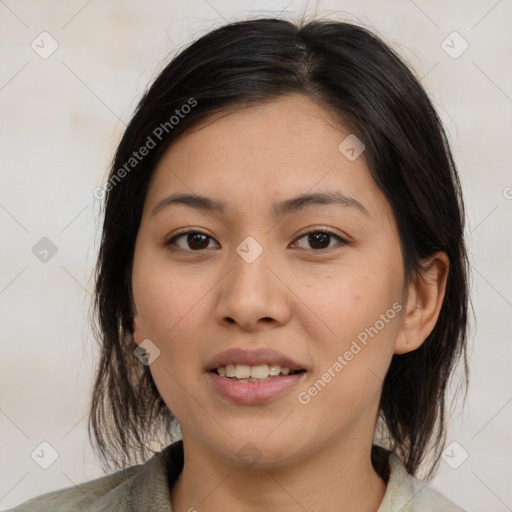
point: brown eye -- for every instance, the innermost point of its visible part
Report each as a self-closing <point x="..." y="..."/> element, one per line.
<point x="193" y="241"/>
<point x="320" y="240"/>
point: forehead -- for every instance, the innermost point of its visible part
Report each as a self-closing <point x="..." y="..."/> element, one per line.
<point x="263" y="154"/>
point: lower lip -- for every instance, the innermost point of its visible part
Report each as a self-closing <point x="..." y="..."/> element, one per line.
<point x="254" y="392"/>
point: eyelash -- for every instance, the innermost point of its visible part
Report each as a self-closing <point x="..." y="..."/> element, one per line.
<point x="171" y="241"/>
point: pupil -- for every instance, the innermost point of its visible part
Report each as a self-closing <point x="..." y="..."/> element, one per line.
<point x="318" y="237"/>
<point x="196" y="237"/>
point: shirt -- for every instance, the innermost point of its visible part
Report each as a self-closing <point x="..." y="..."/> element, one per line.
<point x="146" y="488"/>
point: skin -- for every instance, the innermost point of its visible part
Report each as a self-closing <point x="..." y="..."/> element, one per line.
<point x="193" y="304"/>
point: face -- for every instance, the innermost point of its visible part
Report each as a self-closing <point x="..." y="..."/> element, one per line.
<point x="321" y="284"/>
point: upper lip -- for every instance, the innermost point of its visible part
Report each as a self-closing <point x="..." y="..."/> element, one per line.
<point x="252" y="358"/>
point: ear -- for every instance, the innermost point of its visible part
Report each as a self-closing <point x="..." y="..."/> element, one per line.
<point x="424" y="299"/>
<point x="136" y="324"/>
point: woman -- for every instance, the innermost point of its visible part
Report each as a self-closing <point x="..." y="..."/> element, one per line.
<point x="282" y="278"/>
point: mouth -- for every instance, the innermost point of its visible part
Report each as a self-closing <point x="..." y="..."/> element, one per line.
<point x="258" y="363"/>
<point x="256" y="373"/>
<point x="248" y="377"/>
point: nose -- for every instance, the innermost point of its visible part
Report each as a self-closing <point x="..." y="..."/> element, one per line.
<point x="254" y="294"/>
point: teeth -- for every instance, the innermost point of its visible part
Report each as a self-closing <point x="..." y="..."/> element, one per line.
<point x="253" y="373"/>
<point x="260" y="371"/>
<point x="274" y="370"/>
<point x="242" y="371"/>
<point x="230" y="370"/>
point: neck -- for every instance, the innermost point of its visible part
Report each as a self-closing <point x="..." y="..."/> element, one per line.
<point x="338" y="477"/>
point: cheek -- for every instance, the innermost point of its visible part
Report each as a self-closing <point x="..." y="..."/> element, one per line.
<point x="166" y="298"/>
<point x="359" y="310"/>
<point x="346" y="299"/>
<point x="172" y="310"/>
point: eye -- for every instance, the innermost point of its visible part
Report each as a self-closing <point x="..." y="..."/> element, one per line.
<point x="319" y="239"/>
<point x="195" y="240"/>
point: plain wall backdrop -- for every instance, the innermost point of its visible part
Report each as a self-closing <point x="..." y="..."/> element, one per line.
<point x="63" y="109"/>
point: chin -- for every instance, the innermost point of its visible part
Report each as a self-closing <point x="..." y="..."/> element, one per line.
<point x="257" y="451"/>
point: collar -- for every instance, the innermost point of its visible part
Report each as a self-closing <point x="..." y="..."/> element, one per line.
<point x="150" y="490"/>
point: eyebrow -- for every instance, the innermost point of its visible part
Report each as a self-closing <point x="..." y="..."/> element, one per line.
<point x="279" y="209"/>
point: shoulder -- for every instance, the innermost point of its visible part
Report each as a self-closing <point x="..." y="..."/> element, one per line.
<point x="406" y="493"/>
<point x="136" y="488"/>
<point x="92" y="495"/>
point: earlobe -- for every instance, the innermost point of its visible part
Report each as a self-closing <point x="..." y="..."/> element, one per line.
<point x="137" y="331"/>
<point x="425" y="297"/>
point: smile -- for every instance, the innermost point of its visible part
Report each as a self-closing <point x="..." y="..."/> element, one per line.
<point x="254" y="390"/>
<point x="257" y="373"/>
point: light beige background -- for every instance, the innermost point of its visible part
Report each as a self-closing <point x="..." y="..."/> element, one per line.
<point x="60" y="119"/>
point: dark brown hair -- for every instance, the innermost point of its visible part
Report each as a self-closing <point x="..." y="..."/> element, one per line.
<point x="356" y="76"/>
